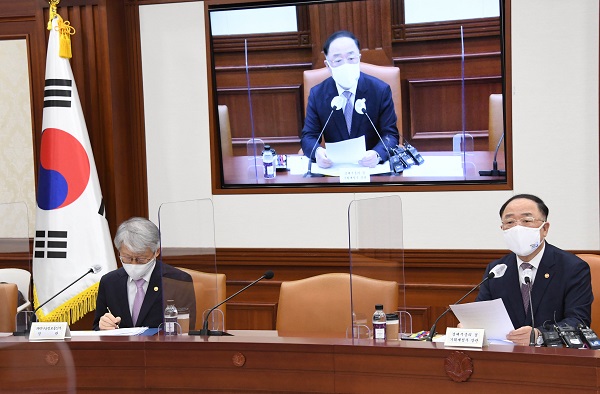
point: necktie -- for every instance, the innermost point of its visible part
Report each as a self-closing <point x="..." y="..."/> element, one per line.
<point x="525" y="288"/>
<point x="138" y="300"/>
<point x="348" y="109"/>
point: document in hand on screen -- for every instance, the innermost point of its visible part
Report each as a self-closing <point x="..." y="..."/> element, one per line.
<point x="489" y="315"/>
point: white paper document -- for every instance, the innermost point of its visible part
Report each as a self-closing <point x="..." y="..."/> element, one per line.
<point x="117" y="332"/>
<point x="348" y="151"/>
<point x="489" y="315"/>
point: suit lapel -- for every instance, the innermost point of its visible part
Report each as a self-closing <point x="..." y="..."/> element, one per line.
<point x="358" y="119"/>
<point x="545" y="272"/>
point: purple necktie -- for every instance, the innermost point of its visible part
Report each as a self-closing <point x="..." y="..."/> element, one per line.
<point x="138" y="300"/>
<point x="348" y="109"/>
<point x="525" y="288"/>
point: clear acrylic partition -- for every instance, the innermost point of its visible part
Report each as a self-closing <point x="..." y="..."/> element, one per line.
<point x="14" y="247"/>
<point x="254" y="148"/>
<point x="187" y="236"/>
<point x="376" y="251"/>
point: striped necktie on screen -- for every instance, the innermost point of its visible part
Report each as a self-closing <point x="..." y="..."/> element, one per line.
<point x="348" y="109"/>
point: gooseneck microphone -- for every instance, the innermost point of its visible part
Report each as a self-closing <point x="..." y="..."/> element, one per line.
<point x="360" y="106"/>
<point x="527" y="274"/>
<point x="93" y="269"/>
<point x="205" y="331"/>
<point x="495" y="171"/>
<point x="336" y="104"/>
<point x="496" y="272"/>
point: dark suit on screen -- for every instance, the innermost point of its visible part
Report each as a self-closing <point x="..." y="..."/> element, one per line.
<point x="174" y="285"/>
<point x="380" y="107"/>
<point x="561" y="290"/>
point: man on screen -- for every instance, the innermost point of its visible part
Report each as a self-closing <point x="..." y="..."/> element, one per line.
<point x="135" y="294"/>
<point x="342" y="58"/>
<point x="561" y="289"/>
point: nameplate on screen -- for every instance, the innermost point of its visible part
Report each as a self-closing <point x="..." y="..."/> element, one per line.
<point x="465" y="337"/>
<point x="49" y="330"/>
<point x="355" y="174"/>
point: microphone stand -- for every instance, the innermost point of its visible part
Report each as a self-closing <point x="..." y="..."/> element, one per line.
<point x="494" y="171"/>
<point x="309" y="174"/>
<point x="363" y="111"/>
<point x="34" y="318"/>
<point x="429" y="337"/>
<point x="532" y="334"/>
<point x="205" y="331"/>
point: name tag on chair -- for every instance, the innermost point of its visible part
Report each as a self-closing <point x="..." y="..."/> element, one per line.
<point x="49" y="330"/>
<point x="465" y="337"/>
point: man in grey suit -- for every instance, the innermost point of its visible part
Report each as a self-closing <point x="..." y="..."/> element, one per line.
<point x="561" y="289"/>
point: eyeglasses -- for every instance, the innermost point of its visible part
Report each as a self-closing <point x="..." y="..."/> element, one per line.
<point x="525" y="222"/>
<point x="139" y="260"/>
<point x="338" y="61"/>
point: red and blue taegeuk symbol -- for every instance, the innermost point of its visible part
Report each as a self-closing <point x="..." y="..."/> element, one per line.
<point x="64" y="169"/>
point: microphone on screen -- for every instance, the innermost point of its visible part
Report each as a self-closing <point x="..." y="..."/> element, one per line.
<point x="205" y="331"/>
<point x="396" y="164"/>
<point x="496" y="272"/>
<point x="336" y="104"/>
<point x="527" y="273"/>
<point x="494" y="171"/>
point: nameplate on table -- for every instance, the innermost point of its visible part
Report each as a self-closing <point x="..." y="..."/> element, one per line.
<point x="354" y="174"/>
<point x="49" y="330"/>
<point x="465" y="337"/>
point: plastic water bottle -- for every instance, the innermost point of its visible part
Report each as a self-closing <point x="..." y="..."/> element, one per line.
<point x="170" y="318"/>
<point x="268" y="164"/>
<point x="379" y="324"/>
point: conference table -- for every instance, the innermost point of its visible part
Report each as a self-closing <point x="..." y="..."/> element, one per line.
<point x="438" y="167"/>
<point x="261" y="361"/>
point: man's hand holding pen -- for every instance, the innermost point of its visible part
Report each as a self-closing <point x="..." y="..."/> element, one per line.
<point x="108" y="321"/>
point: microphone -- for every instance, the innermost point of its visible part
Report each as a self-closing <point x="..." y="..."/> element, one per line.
<point x="528" y="273"/>
<point x="336" y="104"/>
<point x="361" y="107"/>
<point x="205" y="331"/>
<point x="93" y="269"/>
<point x="494" y="171"/>
<point x="496" y="272"/>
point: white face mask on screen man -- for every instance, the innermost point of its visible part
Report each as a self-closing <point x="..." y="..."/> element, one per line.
<point x="346" y="75"/>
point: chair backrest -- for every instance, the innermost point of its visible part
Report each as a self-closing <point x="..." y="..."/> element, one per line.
<point x="388" y="74"/>
<point x="495" y="122"/>
<point x="21" y="277"/>
<point x="8" y="307"/>
<point x="319" y="306"/>
<point x="207" y="286"/>
<point x="593" y="261"/>
<point x="225" y="131"/>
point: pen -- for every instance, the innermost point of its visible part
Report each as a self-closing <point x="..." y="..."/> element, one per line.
<point x="108" y="309"/>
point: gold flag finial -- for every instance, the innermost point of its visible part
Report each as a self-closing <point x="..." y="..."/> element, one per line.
<point x="53" y="12"/>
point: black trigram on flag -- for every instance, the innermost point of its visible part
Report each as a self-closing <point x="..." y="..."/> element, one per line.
<point x="50" y="244"/>
<point x="57" y="93"/>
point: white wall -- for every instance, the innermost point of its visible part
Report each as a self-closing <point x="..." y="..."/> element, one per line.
<point x="555" y="111"/>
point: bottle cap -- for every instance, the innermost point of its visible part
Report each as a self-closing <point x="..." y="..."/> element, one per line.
<point x="379" y="307"/>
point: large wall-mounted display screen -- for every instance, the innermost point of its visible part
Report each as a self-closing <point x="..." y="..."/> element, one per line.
<point x="426" y="106"/>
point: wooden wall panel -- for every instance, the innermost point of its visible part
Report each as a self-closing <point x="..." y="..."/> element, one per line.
<point x="444" y="97"/>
